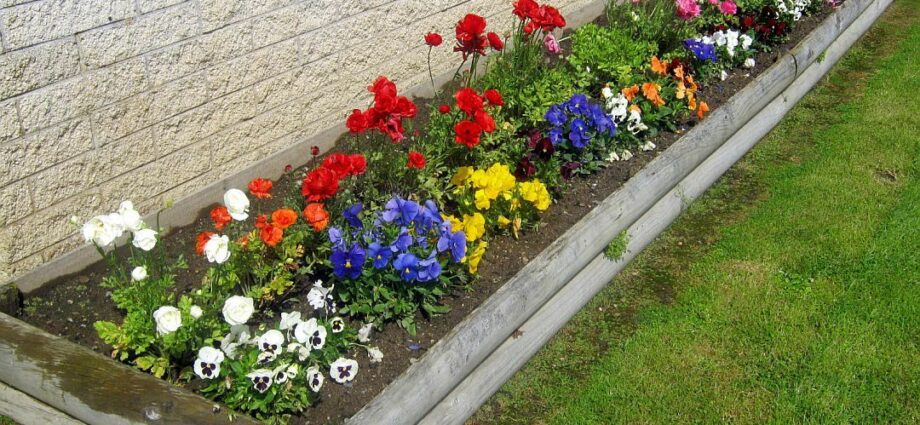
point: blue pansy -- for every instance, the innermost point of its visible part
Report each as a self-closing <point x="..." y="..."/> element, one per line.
<point x="578" y="134"/>
<point x="335" y="237"/>
<point x="702" y="51"/>
<point x="406" y="265"/>
<point x="556" y="116"/>
<point x="402" y="242"/>
<point x="379" y="254"/>
<point x="429" y="269"/>
<point x="351" y="215"/>
<point x="348" y="264"/>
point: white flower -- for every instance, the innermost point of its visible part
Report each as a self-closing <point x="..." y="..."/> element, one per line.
<point x="217" y="249"/>
<point x="103" y="229"/>
<point x="343" y="370"/>
<point x="139" y="273"/>
<point x="320" y="297"/>
<point x="145" y="239"/>
<point x="626" y="156"/>
<point x="195" y="311"/>
<point x="337" y="325"/>
<point x="311" y="334"/>
<point x="375" y="354"/>
<point x="261" y="379"/>
<point x="239" y="335"/>
<point x="731" y="41"/>
<point x="606" y="92"/>
<point x="613" y="156"/>
<point x="302" y="352"/>
<point x="314" y="379"/>
<point x="272" y="340"/>
<point x="237" y="204"/>
<point x="723" y="75"/>
<point x="238" y="309"/>
<point x="364" y="334"/>
<point x="289" y="320"/>
<point x="207" y="365"/>
<point x="292" y="371"/>
<point x="266" y="357"/>
<point x="168" y="319"/>
<point x="281" y="376"/>
<point x="635" y="124"/>
<point x="130" y="217"/>
<point x="635" y="16"/>
<point x="617" y="106"/>
<point x="749" y="63"/>
<point x="647" y="146"/>
<point x="746" y="41"/>
<point x="718" y="38"/>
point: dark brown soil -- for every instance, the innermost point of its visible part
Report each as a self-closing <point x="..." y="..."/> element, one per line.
<point x="69" y="305"/>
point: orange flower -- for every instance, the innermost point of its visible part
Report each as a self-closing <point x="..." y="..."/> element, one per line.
<point x="202" y="239"/>
<point x="691" y="101"/>
<point x="679" y="72"/>
<point x="260" y="188"/>
<point x="317" y="216"/>
<point x="630" y="92"/>
<point x="635" y="108"/>
<point x="284" y="218"/>
<point x="271" y="235"/>
<point x="650" y="91"/>
<point x="703" y="109"/>
<point x="658" y="66"/>
<point x="221" y="217"/>
<point x="244" y="241"/>
<point x="261" y="221"/>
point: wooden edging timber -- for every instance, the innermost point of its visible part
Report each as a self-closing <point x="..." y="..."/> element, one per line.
<point x="514" y="352"/>
<point x="457" y="374"/>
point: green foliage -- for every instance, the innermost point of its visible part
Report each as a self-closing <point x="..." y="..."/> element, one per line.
<point x="652" y="21"/>
<point x="617" y="247"/>
<point x="606" y="54"/>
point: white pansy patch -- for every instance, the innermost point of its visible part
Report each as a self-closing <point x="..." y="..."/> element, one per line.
<point x="315" y="379"/>
<point x="337" y="325"/>
<point x="343" y="370"/>
<point x="311" y="334"/>
<point x="272" y="340"/>
<point x="207" y="365"/>
<point x="261" y="379"/>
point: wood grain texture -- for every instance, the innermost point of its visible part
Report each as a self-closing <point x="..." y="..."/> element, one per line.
<point x="488" y="377"/>
<point x="93" y="388"/>
<point x="26" y="410"/>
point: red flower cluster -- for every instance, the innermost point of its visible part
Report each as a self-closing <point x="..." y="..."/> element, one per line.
<point x="323" y="182"/>
<point x="469" y="131"/>
<point x="387" y="113"/>
<point x="272" y="232"/>
<point x="416" y="160"/>
<point x="260" y="188"/>
<point x="471" y="37"/>
<point x="767" y="23"/>
<point x="537" y="17"/>
<point x="221" y="217"/>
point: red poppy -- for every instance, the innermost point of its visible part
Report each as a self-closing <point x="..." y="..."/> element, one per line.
<point x="220" y="216"/>
<point x="387" y="113"/>
<point x="467" y="133"/>
<point x="358" y="164"/>
<point x="356" y="123"/>
<point x="485" y="121"/>
<point x="433" y="39"/>
<point x="444" y="109"/>
<point x="271" y="235"/>
<point x="200" y="240"/>
<point x="260" y="188"/>
<point x="284" y="218"/>
<point x="470" y="38"/>
<point x="495" y="41"/>
<point x="524" y="8"/>
<point x="547" y="18"/>
<point x="317" y="216"/>
<point x="468" y="100"/>
<point x="338" y="163"/>
<point x="261" y="221"/>
<point x="319" y="184"/>
<point x="494" y="97"/>
<point x="416" y="160"/>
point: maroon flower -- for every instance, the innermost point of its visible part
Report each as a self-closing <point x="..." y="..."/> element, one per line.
<point x="525" y="169"/>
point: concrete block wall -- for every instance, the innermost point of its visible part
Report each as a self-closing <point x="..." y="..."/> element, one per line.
<point x="152" y="100"/>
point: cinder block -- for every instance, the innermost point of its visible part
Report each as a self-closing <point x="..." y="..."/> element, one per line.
<point x="69" y="178"/>
<point x="9" y="121"/>
<point x="31" y="68"/>
<point x="219" y="13"/>
<point x="54" y="222"/>
<point x="44" y="149"/>
<point x="256" y="66"/>
<point x="45" y="20"/>
<point x="15" y="202"/>
<point x="147" y="6"/>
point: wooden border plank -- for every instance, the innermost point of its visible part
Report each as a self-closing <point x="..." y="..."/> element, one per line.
<point x="28" y="411"/>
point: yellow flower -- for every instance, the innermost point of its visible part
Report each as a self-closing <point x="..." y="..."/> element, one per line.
<point x="474" y="258"/>
<point x="482" y="200"/>
<point x="455" y="224"/>
<point x="474" y="226"/>
<point x="503" y="221"/>
<point x="535" y="192"/>
<point x="461" y="176"/>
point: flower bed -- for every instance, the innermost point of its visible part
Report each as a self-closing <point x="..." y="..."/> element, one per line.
<point x="386" y="258"/>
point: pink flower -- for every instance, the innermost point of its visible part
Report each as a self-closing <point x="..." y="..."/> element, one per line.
<point x="714" y="2"/>
<point x="728" y="7"/>
<point x="687" y="9"/>
<point x="551" y="45"/>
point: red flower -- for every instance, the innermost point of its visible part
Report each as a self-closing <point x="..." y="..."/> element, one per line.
<point x="468" y="101"/>
<point x="416" y="160"/>
<point x="260" y="188"/>
<point x="200" y="240"/>
<point x="220" y="216"/>
<point x="314" y="150"/>
<point x="485" y="121"/>
<point x="356" y="123"/>
<point x="524" y="8"/>
<point x="433" y="39"/>
<point x="494" y="97"/>
<point x="467" y="133"/>
<point x="338" y="163"/>
<point x="387" y="113"/>
<point x="358" y="164"/>
<point x="261" y="221"/>
<point x="547" y="18"/>
<point x="319" y="184"/>
<point x="495" y="41"/>
<point x="470" y="39"/>
<point x="444" y="109"/>
<point x="284" y="218"/>
<point x="317" y="216"/>
<point x="271" y="235"/>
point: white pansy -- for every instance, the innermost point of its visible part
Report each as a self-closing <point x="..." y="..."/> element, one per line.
<point x="364" y="334"/>
<point x="207" y="365"/>
<point x="273" y="341"/>
<point x="635" y="124"/>
<point x="266" y="357"/>
<point x="139" y="273"/>
<point x="606" y="92"/>
<point x="320" y="297"/>
<point x="130" y="217"/>
<point x="626" y="155"/>
<point x="746" y="41"/>
<point x="647" y="146"/>
<point x="731" y="41"/>
<point x="145" y="239"/>
<point x="237" y="204"/>
<point x="723" y="75"/>
<point x="289" y="320"/>
<point x="239" y="335"/>
<point x="617" y="106"/>
<point x="298" y="348"/>
<point x="749" y="63"/>
<point x="343" y="370"/>
<point x="261" y="379"/>
<point x="311" y="334"/>
<point x="613" y="156"/>
<point x="337" y="325"/>
<point x="238" y="309"/>
<point x="375" y="354"/>
<point x="315" y="379"/>
<point x="217" y="249"/>
<point x="280" y="374"/>
<point x="292" y="371"/>
<point x="718" y="38"/>
<point x="168" y="319"/>
<point x="195" y="311"/>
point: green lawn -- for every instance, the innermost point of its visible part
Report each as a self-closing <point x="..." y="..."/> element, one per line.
<point x="790" y="293"/>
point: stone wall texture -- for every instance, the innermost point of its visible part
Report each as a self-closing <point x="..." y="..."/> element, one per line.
<point x="152" y="100"/>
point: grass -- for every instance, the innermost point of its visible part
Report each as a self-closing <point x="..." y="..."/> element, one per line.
<point x="790" y="293"/>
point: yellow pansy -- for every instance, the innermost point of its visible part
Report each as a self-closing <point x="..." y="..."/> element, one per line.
<point x="503" y="221"/>
<point x="455" y="224"/>
<point x="474" y="226"/>
<point x="482" y="200"/>
<point x="461" y="176"/>
<point x="474" y="258"/>
<point x="535" y="192"/>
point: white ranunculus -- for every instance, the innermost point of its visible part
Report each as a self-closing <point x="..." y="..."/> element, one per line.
<point x="145" y="239"/>
<point x="314" y="379"/>
<point x="375" y="354"/>
<point x="237" y="204"/>
<point x="130" y="217"/>
<point x="273" y="341"/>
<point x="168" y="319"/>
<point x="238" y="309"/>
<point x="207" y="365"/>
<point x="261" y="379"/>
<point x="364" y="334"/>
<point x="139" y="273"/>
<point x="217" y="249"/>
<point x="343" y="370"/>
<point x="746" y="41"/>
<point x="103" y="229"/>
<point x="195" y="311"/>
<point x="749" y="63"/>
<point x="289" y="320"/>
